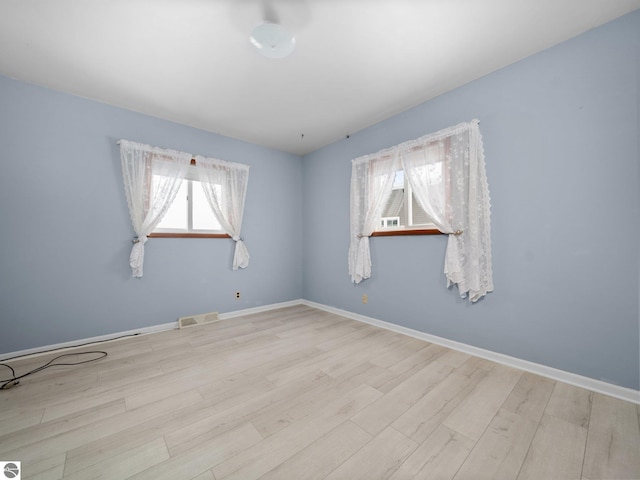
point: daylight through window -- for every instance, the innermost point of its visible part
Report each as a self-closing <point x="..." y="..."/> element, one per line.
<point x="402" y="211"/>
<point x="190" y="212"/>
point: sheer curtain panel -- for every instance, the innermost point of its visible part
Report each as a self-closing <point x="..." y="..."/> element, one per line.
<point x="371" y="184"/>
<point x="152" y="177"/>
<point x="447" y="174"/>
<point x="225" y="186"/>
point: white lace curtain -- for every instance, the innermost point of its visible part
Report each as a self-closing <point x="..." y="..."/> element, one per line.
<point x="447" y="174"/>
<point x="226" y="202"/>
<point x="152" y="177"/>
<point x="371" y="184"/>
<point x="147" y="205"/>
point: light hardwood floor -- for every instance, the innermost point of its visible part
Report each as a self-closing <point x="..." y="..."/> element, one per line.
<point x="299" y="393"/>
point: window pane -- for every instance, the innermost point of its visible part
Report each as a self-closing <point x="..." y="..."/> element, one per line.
<point x="203" y="217"/>
<point x="395" y="205"/>
<point x="394" y="209"/>
<point x="176" y="216"/>
<point x="398" y="181"/>
<point x="420" y="217"/>
<point x="402" y="209"/>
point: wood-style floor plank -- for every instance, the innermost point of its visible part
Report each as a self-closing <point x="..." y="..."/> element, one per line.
<point x="298" y="393"/>
<point x="439" y="456"/>
<point x="125" y="464"/>
<point x="51" y="468"/>
<point x="204" y="456"/>
<point x="571" y="404"/>
<point x="420" y="421"/>
<point x="274" y="450"/>
<point x="476" y="411"/>
<point x="613" y="441"/>
<point x="382" y="413"/>
<point x="55" y="428"/>
<point x="172" y="413"/>
<point x="367" y="463"/>
<point x="557" y="451"/>
<point x="501" y="449"/>
<point x="323" y="456"/>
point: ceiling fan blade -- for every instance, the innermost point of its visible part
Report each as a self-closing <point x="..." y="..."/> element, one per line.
<point x="269" y="13"/>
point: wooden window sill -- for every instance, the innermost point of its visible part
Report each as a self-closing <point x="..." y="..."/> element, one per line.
<point x="187" y="235"/>
<point x="393" y="233"/>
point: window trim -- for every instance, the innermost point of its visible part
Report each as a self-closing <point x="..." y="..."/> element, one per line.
<point x="395" y="218"/>
<point x="421" y="229"/>
<point x="407" y="231"/>
<point x="189" y="233"/>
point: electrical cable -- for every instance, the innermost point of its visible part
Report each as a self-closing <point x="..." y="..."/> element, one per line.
<point x="6" y="384"/>
<point x="70" y="346"/>
<point x="12" y="382"/>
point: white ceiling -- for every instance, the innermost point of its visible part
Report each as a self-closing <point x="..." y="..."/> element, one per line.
<point x="356" y="62"/>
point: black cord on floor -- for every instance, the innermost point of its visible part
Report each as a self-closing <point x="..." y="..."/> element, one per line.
<point x="12" y="382"/>
<point x="71" y="346"/>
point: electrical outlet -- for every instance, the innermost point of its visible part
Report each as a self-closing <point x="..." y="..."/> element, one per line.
<point x="237" y="294"/>
<point x="365" y="298"/>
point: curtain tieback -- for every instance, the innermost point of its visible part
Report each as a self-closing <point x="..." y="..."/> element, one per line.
<point x="362" y="235"/>
<point x="237" y="238"/>
<point x="142" y="239"/>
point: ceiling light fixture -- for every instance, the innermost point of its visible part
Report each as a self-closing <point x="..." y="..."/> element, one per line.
<point x="272" y="40"/>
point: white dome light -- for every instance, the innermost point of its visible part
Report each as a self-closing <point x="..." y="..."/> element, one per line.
<point x="272" y="40"/>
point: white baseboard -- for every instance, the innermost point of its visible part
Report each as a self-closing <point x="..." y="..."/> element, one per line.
<point x="138" y="331"/>
<point x="263" y="308"/>
<point x="598" y="386"/>
<point x="84" y="341"/>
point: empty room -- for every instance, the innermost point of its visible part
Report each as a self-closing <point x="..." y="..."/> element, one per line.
<point x="320" y="239"/>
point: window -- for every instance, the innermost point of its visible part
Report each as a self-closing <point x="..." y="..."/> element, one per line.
<point x="446" y="171"/>
<point x="389" y="222"/>
<point x="190" y="214"/>
<point x="153" y="177"/>
<point x="402" y="214"/>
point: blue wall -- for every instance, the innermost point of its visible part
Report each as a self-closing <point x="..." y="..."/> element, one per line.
<point x="560" y="132"/>
<point x="65" y="232"/>
<point x="561" y="138"/>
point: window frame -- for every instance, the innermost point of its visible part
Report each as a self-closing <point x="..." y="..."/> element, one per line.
<point x="422" y="229"/>
<point x="387" y="219"/>
<point x="189" y="232"/>
<point x="407" y="231"/>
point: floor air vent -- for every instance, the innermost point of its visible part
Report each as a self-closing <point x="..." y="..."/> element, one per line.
<point x="193" y="320"/>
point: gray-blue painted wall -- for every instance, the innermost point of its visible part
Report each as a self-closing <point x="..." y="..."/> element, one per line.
<point x="560" y="132"/>
<point x="561" y="138"/>
<point x="65" y="232"/>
